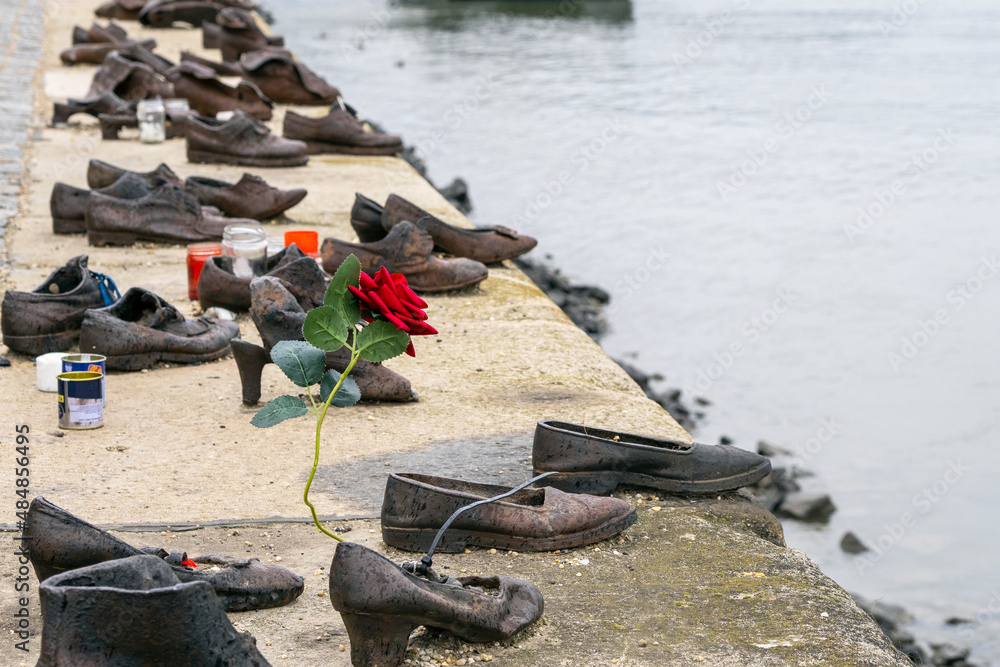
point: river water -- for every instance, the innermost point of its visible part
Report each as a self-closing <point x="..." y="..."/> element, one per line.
<point x="794" y="205"/>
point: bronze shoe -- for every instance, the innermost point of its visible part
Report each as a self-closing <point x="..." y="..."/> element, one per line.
<point x="239" y="33"/>
<point x="48" y="318"/>
<point x="163" y="13"/>
<point x="219" y="287"/>
<point x="278" y="314"/>
<point x="61" y="542"/>
<point x="98" y="33"/>
<point x="339" y="132"/>
<point x="141" y="329"/>
<point x="130" y="80"/>
<point x="483" y="244"/>
<point x="416" y="506"/>
<point x="241" y="140"/>
<point x="102" y="174"/>
<point x="140" y="53"/>
<point x="123" y="10"/>
<point x="95" y="53"/>
<point x="208" y="96"/>
<point x="221" y="69"/>
<point x="285" y="80"/>
<point x="381" y="604"/>
<point x="168" y="214"/>
<point x="406" y="249"/>
<point x="68" y="204"/>
<point x="108" y="103"/>
<point x="250" y="197"/>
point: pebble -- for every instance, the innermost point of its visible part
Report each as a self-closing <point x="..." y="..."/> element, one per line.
<point x="341" y="648"/>
<point x="642" y="642"/>
<point x="491" y="551"/>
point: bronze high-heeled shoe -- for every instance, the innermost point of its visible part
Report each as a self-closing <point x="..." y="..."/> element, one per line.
<point x="381" y="604"/>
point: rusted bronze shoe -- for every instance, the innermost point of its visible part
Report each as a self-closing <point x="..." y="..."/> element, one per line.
<point x="381" y="604"/>
<point x="285" y="80"/>
<point x="208" y="96"/>
<point x="48" y="318"/>
<point x="219" y="287"/>
<point x="68" y="204"/>
<point x="239" y="34"/>
<point x="136" y="611"/>
<point x="594" y="460"/>
<point x="241" y="140"/>
<point x="278" y="309"/>
<point x="140" y="53"/>
<point x="97" y="33"/>
<point x="220" y="68"/>
<point x="168" y="214"/>
<point x="163" y="13"/>
<point x="123" y="10"/>
<point x="61" y="542"/>
<point x="483" y="244"/>
<point x="338" y="132"/>
<point x="416" y="506"/>
<point x="95" y="53"/>
<point x="101" y="174"/>
<point x="250" y="197"/>
<point x="128" y="79"/>
<point x="141" y="329"/>
<point x="407" y="249"/>
<point x="94" y="106"/>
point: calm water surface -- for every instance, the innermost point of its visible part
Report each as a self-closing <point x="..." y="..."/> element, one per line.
<point x="709" y="164"/>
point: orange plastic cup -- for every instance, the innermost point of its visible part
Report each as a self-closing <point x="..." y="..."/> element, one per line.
<point x="306" y="240"/>
<point x="197" y="255"/>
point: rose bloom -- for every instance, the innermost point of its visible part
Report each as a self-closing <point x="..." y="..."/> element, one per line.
<point x="388" y="297"/>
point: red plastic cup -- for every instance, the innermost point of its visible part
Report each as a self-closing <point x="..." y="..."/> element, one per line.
<point x="306" y="240"/>
<point x="197" y="255"/>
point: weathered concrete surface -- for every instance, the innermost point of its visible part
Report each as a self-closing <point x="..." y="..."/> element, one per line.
<point x="178" y="448"/>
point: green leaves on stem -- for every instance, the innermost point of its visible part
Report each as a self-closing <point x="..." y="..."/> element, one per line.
<point x="348" y="394"/>
<point x="280" y="409"/>
<point x="380" y="341"/>
<point x="301" y="362"/>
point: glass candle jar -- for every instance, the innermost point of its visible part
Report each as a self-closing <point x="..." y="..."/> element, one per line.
<point x="244" y="250"/>
<point x="197" y="255"/>
<point x="152" y="117"/>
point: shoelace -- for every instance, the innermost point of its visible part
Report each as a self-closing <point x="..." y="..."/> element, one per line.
<point x="424" y="566"/>
<point x="109" y="291"/>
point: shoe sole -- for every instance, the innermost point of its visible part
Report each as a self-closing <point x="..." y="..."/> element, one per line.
<point x="456" y="541"/>
<point x="448" y="288"/>
<point x="138" y="362"/>
<point x="208" y="157"/>
<point x="601" y="483"/>
<point x="42" y="344"/>
<point x="320" y="147"/>
<point x="101" y="239"/>
<point x="69" y="226"/>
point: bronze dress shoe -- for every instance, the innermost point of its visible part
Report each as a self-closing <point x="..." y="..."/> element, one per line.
<point x="99" y="33"/>
<point x="241" y="140"/>
<point x="239" y="33"/>
<point x="48" y="318"/>
<point x="137" y="52"/>
<point x="595" y="460"/>
<point x="338" y="132"/>
<point x="123" y="10"/>
<point x="95" y="53"/>
<point x="219" y="287"/>
<point x="483" y="244"/>
<point x="128" y="79"/>
<point x="108" y="103"/>
<point x="285" y="80"/>
<point x="381" y="604"/>
<point x="415" y="508"/>
<point x="141" y="329"/>
<point x="208" y="96"/>
<point x="250" y="197"/>
<point x="406" y="249"/>
<point x="168" y="214"/>
<point x="68" y="204"/>
<point x="278" y="308"/>
<point x="221" y="69"/>
<point x="163" y="13"/>
<point x="101" y="174"/>
<point x="61" y="542"/>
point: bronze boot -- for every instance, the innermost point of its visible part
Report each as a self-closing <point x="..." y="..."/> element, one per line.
<point x="128" y="79"/>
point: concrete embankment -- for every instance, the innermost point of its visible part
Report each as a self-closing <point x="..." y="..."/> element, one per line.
<point x="178" y="464"/>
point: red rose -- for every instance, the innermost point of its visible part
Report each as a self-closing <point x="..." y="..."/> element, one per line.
<point x="388" y="297"/>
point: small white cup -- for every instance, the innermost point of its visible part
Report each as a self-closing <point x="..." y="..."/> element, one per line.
<point x="47" y="367"/>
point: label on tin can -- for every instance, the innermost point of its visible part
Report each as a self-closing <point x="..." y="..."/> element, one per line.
<point x="81" y="400"/>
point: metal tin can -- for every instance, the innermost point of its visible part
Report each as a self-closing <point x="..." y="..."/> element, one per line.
<point x="87" y="363"/>
<point x="81" y="400"/>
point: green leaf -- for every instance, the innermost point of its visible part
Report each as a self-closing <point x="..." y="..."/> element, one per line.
<point x="337" y="294"/>
<point x="300" y="361"/>
<point x="380" y="341"/>
<point x="325" y="328"/>
<point x="279" y="410"/>
<point x="348" y="394"/>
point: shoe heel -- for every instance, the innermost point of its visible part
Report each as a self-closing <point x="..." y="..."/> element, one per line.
<point x="594" y="484"/>
<point x="377" y="641"/>
<point x="61" y="112"/>
<point x="110" y="238"/>
<point x="367" y="232"/>
<point x="250" y="361"/>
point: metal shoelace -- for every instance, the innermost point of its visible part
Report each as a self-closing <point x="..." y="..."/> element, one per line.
<point x="109" y="291"/>
<point x="423" y="568"/>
